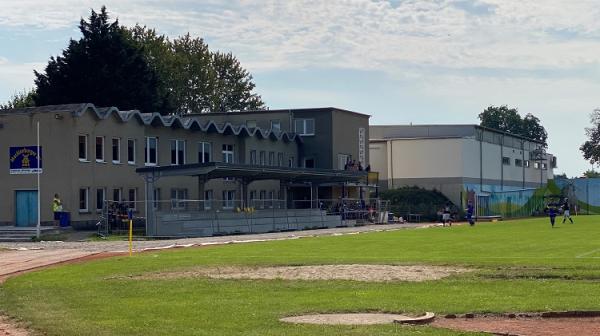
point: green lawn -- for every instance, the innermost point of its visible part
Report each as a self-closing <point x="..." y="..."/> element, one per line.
<point x="519" y="266"/>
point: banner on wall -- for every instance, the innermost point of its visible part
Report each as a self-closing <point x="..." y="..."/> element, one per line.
<point x="25" y="160"/>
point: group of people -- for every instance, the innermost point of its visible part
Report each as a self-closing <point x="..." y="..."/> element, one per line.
<point x="356" y="166"/>
<point x="447" y="215"/>
<point x="553" y="209"/>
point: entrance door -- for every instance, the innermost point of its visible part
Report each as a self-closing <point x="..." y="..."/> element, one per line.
<point x="26" y="207"/>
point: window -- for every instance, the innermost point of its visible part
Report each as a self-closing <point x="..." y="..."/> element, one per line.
<point x="132" y="198"/>
<point x="99" y="149"/>
<point x="263" y="158"/>
<point x="204" y="152"/>
<point x="518" y="163"/>
<point x="506" y="161"/>
<point x="253" y="157"/>
<point x="271" y="198"/>
<point x="251" y="123"/>
<point x="116" y="150"/>
<point x="227" y="153"/>
<point x="309" y="163"/>
<point x="131" y="151"/>
<point x="177" y="152"/>
<point x="100" y="198"/>
<point x="150" y="154"/>
<point x="83" y="200"/>
<point x="263" y="196"/>
<point x="157" y="198"/>
<point x="291" y="162"/>
<point x="554" y="162"/>
<point x="527" y="163"/>
<point x="343" y="161"/>
<point x="304" y="126"/>
<point x="536" y="165"/>
<point x="544" y="165"/>
<point x="252" y="195"/>
<point x="117" y="195"/>
<point x="280" y="159"/>
<point x="275" y="125"/>
<point x="208" y="199"/>
<point x="177" y="198"/>
<point x="83" y="142"/>
<point x="228" y="199"/>
<point x="271" y="158"/>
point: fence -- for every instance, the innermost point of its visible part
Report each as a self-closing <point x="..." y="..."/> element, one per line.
<point x="511" y="204"/>
<point x="220" y="217"/>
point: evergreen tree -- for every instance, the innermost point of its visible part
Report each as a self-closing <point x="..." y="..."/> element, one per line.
<point x="104" y="67"/>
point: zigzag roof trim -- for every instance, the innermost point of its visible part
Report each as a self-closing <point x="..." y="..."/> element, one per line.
<point x="187" y="123"/>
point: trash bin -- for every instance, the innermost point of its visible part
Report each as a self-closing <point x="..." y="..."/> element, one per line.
<point x="65" y="219"/>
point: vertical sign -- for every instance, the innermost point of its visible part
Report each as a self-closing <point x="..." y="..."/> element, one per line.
<point x="25" y="160"/>
<point x="361" y="146"/>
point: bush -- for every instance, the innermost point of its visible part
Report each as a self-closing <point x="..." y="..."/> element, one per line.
<point x="416" y="200"/>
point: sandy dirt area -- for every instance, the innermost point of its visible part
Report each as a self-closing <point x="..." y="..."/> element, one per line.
<point x="582" y="326"/>
<point x="9" y="328"/>
<point x="346" y="319"/>
<point x="366" y="273"/>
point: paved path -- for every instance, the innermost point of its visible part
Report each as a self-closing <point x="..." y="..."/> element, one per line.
<point x="21" y="257"/>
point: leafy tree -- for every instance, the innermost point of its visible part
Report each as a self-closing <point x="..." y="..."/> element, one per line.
<point x="591" y="173"/>
<point x="20" y="99"/>
<point x="508" y="120"/>
<point x="104" y="67"/>
<point x="233" y="86"/>
<point x="561" y="176"/>
<point x="591" y="148"/>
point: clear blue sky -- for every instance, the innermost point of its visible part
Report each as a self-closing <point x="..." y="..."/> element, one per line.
<point x="438" y="61"/>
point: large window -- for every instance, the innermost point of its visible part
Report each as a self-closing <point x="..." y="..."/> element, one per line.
<point x="227" y="151"/>
<point x="253" y="157"/>
<point x="100" y="198"/>
<point x="304" y="126"/>
<point x="177" y="152"/>
<point x="178" y="196"/>
<point x="518" y="163"/>
<point x="275" y="125"/>
<point x="83" y="144"/>
<point x="309" y="163"/>
<point x="263" y="158"/>
<point x="151" y="152"/>
<point x="291" y="162"/>
<point x="204" y="152"/>
<point x="228" y="199"/>
<point x="99" y="149"/>
<point x="83" y="200"/>
<point x="116" y="150"/>
<point x="157" y="202"/>
<point x="131" y="151"/>
<point x="506" y="161"/>
<point x="280" y="159"/>
<point x="343" y="161"/>
<point x="271" y="158"/>
<point x="132" y="198"/>
<point x="117" y="194"/>
<point x="208" y="199"/>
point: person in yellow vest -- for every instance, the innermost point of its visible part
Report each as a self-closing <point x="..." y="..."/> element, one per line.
<point x="57" y="207"/>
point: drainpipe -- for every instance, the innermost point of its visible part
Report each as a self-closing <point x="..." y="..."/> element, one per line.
<point x="523" y="161"/>
<point x="502" y="163"/>
<point x="480" y="161"/>
<point x="391" y="158"/>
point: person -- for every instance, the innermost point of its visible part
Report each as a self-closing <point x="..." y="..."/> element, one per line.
<point x="57" y="207"/>
<point x="368" y="168"/>
<point x="470" y="211"/>
<point x="566" y="211"/>
<point x="446" y="219"/>
<point x="551" y="213"/>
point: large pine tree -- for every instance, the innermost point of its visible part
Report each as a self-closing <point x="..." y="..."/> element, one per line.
<point x="104" y="67"/>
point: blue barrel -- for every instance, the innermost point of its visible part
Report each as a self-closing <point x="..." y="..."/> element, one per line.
<point x="65" y="219"/>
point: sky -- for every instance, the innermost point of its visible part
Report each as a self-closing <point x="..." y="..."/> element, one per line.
<point x="401" y="61"/>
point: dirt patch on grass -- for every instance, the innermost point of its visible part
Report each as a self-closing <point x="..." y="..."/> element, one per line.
<point x="366" y="273"/>
<point x="524" y="326"/>
<point x="10" y="328"/>
<point x="352" y="319"/>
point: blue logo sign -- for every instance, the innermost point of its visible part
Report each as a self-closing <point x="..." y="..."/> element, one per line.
<point x="25" y="160"/>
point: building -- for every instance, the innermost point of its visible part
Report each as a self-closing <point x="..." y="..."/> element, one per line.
<point x="91" y="155"/>
<point x="457" y="159"/>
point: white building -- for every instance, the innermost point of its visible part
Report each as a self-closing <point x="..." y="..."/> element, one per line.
<point x="457" y="159"/>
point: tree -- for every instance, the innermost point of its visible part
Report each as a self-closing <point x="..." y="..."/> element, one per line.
<point x="104" y="67"/>
<point x="20" y="99"/>
<point x="591" y="148"/>
<point x="591" y="174"/>
<point x="508" y="120"/>
<point x="561" y="176"/>
<point x="233" y="85"/>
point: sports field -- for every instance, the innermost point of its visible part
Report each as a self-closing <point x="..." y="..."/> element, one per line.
<point x="517" y="266"/>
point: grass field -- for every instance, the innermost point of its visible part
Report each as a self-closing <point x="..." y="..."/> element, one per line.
<point x="520" y="266"/>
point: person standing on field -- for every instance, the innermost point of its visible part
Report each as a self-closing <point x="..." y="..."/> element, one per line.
<point x="552" y="213"/>
<point x="57" y="207"/>
<point x="470" y="211"/>
<point x="567" y="211"/>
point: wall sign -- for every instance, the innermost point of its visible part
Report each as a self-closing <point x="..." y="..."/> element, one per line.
<point x="25" y="160"/>
<point x="361" y="146"/>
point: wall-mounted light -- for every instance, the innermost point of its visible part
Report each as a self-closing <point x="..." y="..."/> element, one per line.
<point x="58" y="117"/>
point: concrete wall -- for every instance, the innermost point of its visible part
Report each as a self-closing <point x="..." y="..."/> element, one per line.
<point x="345" y="136"/>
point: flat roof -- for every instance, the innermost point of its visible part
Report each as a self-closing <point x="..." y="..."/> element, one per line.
<point x="307" y="109"/>
<point x="213" y="170"/>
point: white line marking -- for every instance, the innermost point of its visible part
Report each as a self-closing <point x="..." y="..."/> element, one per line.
<point x="587" y="254"/>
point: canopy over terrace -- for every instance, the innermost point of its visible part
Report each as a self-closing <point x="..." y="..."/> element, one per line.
<point x="246" y="174"/>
